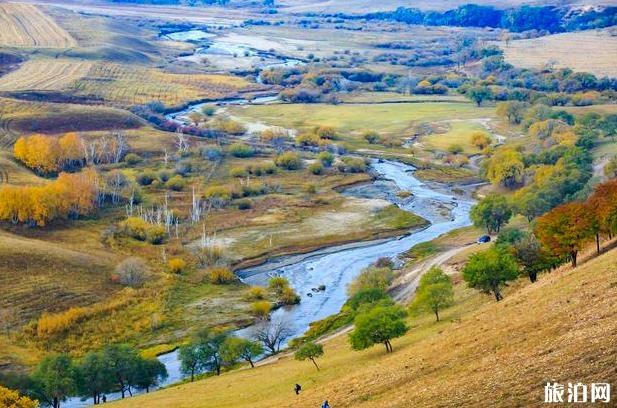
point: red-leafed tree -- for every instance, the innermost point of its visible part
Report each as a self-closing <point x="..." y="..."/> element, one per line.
<point x="566" y="229"/>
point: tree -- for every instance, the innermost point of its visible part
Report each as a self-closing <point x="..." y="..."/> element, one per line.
<point x="371" y="277"/>
<point x="55" y="376"/>
<point x="566" y="229"/>
<point x="132" y="271"/>
<point x="603" y="204"/>
<point x="480" y="140"/>
<point x="148" y="373"/>
<point x="492" y="212"/>
<point x="489" y="270"/>
<point x="513" y="111"/>
<point x="12" y="399"/>
<point x="189" y="355"/>
<point x="506" y="168"/>
<point x="610" y="170"/>
<point x="309" y="351"/>
<point x="94" y="376"/>
<point x="479" y="94"/>
<point x="435" y="292"/>
<point x="532" y="257"/>
<point x="380" y="324"/>
<point x="272" y="335"/>
<point x="235" y="348"/>
<point x="209" y="343"/>
<point x="121" y="360"/>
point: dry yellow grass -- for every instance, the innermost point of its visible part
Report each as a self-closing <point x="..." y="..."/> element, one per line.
<point x="562" y="328"/>
<point x="45" y="74"/>
<point x="589" y="51"/>
<point x="24" y="25"/>
<point x="137" y="85"/>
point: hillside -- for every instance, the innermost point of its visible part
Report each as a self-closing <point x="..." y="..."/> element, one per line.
<point x="562" y="328"/>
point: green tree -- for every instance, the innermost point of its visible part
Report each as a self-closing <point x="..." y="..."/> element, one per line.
<point x="532" y="257"/>
<point x="94" y="376"/>
<point x="190" y="360"/>
<point x="513" y="111"/>
<point x="148" y="373"/>
<point x="488" y="271"/>
<point x="435" y="292"/>
<point x="121" y="360"/>
<point x="380" y="324"/>
<point x="506" y="168"/>
<point x="479" y="94"/>
<point x="309" y="351"/>
<point x="55" y="377"/>
<point x="492" y="212"/>
<point x="210" y="343"/>
<point x="235" y="348"/>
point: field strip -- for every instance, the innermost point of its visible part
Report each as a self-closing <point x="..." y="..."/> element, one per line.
<point x="48" y="75"/>
<point x="25" y="25"/>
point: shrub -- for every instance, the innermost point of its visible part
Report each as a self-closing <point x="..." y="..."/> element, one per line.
<point x="229" y="126"/>
<point x="135" y="227"/>
<point x="289" y="161"/>
<point x="310" y="188"/>
<point x="244" y="204"/>
<point x="455" y="149"/>
<point x="156" y="234"/>
<point x="326" y="158"/>
<point x="211" y="153"/>
<point x="183" y="168"/>
<point x="176" y="265"/>
<point x="261" y="309"/>
<point x="277" y="284"/>
<point x="146" y="178"/>
<point x="131" y="272"/>
<point x="241" y="150"/>
<point x="256" y="293"/>
<point x="326" y="132"/>
<point x="308" y="139"/>
<point x="237" y="172"/>
<point x="371" y="277"/>
<point x="208" y="110"/>
<point x="176" y="183"/>
<point x="221" y="275"/>
<point x="164" y="176"/>
<point x="352" y="165"/>
<point x="371" y="137"/>
<point x="289" y="296"/>
<point x="132" y="159"/>
<point x="316" y="168"/>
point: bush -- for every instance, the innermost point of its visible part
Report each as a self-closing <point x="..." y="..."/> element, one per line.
<point x="244" y="204"/>
<point x="211" y="153"/>
<point x="221" y="275"/>
<point x="237" y="172"/>
<point x="176" y="183"/>
<point x="183" y="168"/>
<point x="326" y="158"/>
<point x="316" y="168"/>
<point x="241" y="150"/>
<point x="156" y="234"/>
<point x="132" y="159"/>
<point x="352" y="165"/>
<point x="308" y="139"/>
<point x="229" y="126"/>
<point x="135" y="227"/>
<point x="256" y="293"/>
<point x="371" y="137"/>
<point x="261" y="309"/>
<point x="289" y="161"/>
<point x="164" y="176"/>
<point x="176" y="265"/>
<point x="131" y="272"/>
<point x="289" y="296"/>
<point x="146" y="178"/>
<point x="455" y="149"/>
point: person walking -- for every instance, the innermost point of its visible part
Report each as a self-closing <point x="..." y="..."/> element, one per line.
<point x="325" y="404"/>
<point x="297" y="389"/>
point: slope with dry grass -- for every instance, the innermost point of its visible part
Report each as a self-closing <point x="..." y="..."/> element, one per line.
<point x="25" y="25"/>
<point x="562" y="328"/>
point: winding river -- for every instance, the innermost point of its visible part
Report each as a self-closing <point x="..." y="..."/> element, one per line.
<point x="337" y="266"/>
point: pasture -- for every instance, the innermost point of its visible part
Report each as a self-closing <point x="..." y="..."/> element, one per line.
<point x="25" y="25"/>
<point x="593" y="51"/>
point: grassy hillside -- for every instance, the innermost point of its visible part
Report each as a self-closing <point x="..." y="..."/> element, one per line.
<point x="481" y="352"/>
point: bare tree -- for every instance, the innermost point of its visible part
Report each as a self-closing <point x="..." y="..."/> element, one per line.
<point x="132" y="271"/>
<point x="272" y="334"/>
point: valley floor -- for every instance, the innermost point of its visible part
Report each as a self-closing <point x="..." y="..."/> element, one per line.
<point x="482" y="353"/>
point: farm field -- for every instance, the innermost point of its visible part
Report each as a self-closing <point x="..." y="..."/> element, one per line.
<point x="25" y="25"/>
<point x="45" y="74"/>
<point x="588" y="51"/>
<point x="451" y="362"/>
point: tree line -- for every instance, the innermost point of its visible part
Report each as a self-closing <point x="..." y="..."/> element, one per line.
<point x="115" y="368"/>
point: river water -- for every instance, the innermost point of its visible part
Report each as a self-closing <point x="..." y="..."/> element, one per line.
<point x="337" y="266"/>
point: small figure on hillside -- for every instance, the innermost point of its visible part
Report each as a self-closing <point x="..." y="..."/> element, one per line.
<point x="104" y="399"/>
<point x="325" y="404"/>
<point x="297" y="389"/>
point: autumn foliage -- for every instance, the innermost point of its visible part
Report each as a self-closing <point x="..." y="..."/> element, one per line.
<point x="48" y="154"/>
<point x="70" y="195"/>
